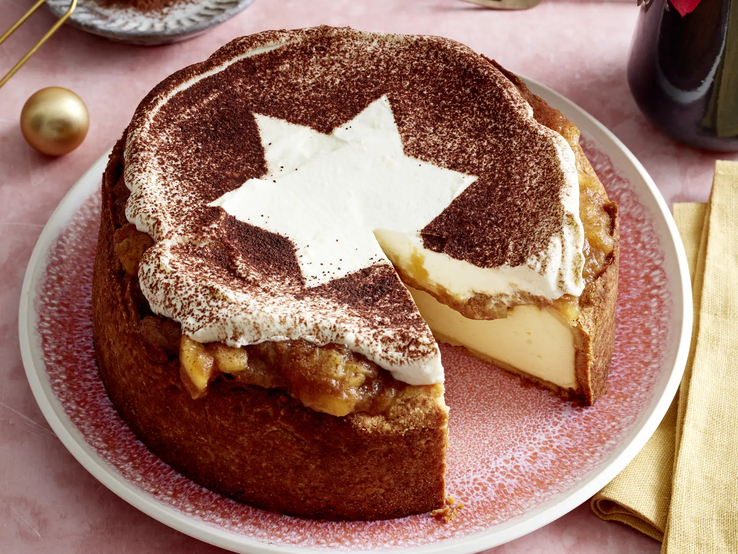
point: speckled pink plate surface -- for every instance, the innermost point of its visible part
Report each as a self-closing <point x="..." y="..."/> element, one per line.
<point x="519" y="458"/>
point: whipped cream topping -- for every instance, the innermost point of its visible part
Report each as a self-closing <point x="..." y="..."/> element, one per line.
<point x="329" y="193"/>
<point x="266" y="313"/>
<point x="210" y="148"/>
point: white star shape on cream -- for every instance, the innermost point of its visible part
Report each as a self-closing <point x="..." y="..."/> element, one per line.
<point x="328" y="194"/>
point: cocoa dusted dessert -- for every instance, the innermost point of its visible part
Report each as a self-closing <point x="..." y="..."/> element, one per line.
<point x="145" y="6"/>
<point x="290" y="226"/>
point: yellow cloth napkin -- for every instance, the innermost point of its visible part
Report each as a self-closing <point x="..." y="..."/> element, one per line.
<point x="682" y="488"/>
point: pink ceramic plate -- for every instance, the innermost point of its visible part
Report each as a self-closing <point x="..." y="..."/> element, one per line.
<point x="519" y="458"/>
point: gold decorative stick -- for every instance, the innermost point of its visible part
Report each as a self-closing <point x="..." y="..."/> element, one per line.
<point x="32" y="51"/>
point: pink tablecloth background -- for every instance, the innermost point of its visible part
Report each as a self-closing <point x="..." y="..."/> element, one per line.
<point x="48" y="502"/>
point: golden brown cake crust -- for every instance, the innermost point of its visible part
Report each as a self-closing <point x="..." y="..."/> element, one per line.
<point x="597" y="307"/>
<point x="259" y="446"/>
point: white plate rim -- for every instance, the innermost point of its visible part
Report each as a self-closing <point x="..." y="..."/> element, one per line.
<point x="496" y="535"/>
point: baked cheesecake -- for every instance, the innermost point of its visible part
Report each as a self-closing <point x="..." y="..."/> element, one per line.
<point x="290" y="226"/>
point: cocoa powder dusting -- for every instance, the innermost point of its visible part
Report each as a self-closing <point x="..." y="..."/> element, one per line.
<point x="452" y="108"/>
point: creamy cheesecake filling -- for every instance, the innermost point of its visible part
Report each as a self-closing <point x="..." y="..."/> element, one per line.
<point x="530" y="339"/>
<point x="220" y="280"/>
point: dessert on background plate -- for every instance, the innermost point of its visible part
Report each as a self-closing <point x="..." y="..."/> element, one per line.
<point x="148" y="22"/>
<point x="261" y="219"/>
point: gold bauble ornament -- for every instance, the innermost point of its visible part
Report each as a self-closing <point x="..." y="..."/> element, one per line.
<point x="54" y="121"/>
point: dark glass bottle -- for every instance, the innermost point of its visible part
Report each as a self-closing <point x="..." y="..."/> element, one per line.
<point x="683" y="71"/>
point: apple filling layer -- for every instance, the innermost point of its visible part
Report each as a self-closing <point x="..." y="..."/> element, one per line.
<point x="329" y="379"/>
